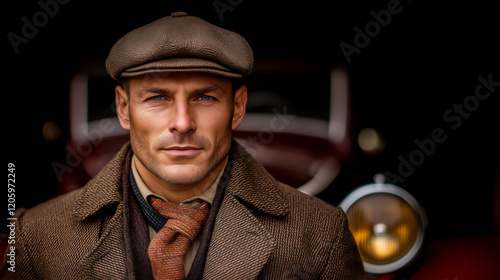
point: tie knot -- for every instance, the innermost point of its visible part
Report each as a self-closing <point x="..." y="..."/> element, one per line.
<point x="185" y="220"/>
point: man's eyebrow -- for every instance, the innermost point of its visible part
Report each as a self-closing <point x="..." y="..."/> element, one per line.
<point x="156" y="90"/>
<point x="208" y="89"/>
<point x="199" y="91"/>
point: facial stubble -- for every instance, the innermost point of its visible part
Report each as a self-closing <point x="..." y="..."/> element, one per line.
<point x="197" y="173"/>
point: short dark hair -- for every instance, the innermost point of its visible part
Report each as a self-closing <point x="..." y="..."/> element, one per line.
<point x="126" y="86"/>
<point x="236" y="84"/>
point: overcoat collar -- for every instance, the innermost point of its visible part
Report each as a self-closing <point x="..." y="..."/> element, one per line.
<point x="104" y="189"/>
<point x="249" y="181"/>
<point x="254" y="185"/>
<point x="237" y="233"/>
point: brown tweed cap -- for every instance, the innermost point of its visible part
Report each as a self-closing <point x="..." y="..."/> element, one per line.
<point x="180" y="43"/>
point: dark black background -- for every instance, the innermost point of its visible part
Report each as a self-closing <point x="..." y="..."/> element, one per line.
<point x="423" y="62"/>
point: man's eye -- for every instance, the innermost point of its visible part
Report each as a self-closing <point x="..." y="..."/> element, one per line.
<point x="157" y="98"/>
<point x="206" y="98"/>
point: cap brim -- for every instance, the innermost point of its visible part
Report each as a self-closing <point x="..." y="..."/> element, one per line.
<point x="180" y="65"/>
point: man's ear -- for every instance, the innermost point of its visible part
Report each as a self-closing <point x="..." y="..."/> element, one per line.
<point x="240" y="104"/>
<point x="122" y="107"/>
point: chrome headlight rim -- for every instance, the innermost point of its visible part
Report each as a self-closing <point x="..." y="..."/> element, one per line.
<point x="382" y="188"/>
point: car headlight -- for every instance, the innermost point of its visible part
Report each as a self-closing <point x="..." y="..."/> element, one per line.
<point x="388" y="225"/>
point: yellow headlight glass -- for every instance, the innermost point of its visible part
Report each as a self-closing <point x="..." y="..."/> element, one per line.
<point x="384" y="226"/>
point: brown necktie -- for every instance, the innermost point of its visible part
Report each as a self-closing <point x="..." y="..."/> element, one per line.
<point x="168" y="248"/>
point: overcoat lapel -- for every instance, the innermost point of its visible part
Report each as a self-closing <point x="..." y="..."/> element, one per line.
<point x="107" y="258"/>
<point x="240" y="245"/>
<point x="101" y="206"/>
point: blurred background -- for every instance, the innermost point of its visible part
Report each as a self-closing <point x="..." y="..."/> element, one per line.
<point x="404" y="78"/>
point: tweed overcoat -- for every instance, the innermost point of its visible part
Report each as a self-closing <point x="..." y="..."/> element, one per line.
<point x="263" y="230"/>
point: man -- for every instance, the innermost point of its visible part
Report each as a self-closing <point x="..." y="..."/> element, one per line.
<point x="182" y="199"/>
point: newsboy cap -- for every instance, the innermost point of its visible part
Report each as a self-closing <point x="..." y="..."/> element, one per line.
<point x="180" y="43"/>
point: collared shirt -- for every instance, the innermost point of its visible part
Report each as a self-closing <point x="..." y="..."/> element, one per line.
<point x="156" y="222"/>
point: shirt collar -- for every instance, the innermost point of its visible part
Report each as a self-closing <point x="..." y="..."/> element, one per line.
<point x="207" y="196"/>
<point x="142" y="192"/>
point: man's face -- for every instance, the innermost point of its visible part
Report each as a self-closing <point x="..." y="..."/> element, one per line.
<point x="180" y="123"/>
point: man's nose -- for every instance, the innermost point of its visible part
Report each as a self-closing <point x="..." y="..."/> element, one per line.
<point x="182" y="119"/>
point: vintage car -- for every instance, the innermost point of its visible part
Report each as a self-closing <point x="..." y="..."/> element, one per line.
<point x="304" y="145"/>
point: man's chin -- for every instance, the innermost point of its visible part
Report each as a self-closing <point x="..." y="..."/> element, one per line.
<point x="184" y="174"/>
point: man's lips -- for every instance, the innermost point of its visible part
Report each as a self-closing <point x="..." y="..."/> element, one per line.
<point x="182" y="150"/>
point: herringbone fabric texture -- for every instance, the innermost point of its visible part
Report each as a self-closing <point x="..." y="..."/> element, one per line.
<point x="168" y="248"/>
<point x="263" y="230"/>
